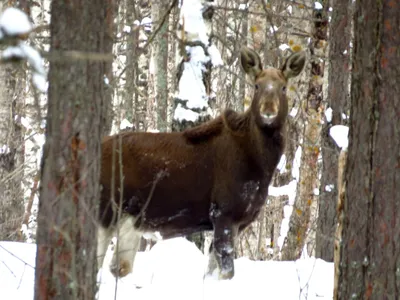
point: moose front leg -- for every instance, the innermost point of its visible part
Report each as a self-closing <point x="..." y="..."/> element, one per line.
<point x="225" y="233"/>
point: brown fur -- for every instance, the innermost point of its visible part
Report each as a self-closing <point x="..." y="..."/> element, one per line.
<point x="211" y="177"/>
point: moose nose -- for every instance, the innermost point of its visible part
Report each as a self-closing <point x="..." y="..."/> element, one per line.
<point x="269" y="110"/>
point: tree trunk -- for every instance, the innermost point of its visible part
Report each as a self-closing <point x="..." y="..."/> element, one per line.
<point x="11" y="152"/>
<point x="306" y="197"/>
<point x="66" y="244"/>
<point x="160" y="60"/>
<point x="337" y="98"/>
<point x="370" y="249"/>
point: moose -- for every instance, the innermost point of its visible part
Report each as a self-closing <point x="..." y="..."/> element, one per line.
<point x="212" y="177"/>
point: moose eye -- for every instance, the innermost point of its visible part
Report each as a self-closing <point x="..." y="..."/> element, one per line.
<point x="284" y="89"/>
<point x="256" y="86"/>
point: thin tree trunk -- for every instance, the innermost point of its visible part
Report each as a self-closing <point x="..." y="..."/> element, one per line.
<point x="160" y="60"/>
<point x="337" y="98"/>
<point x="11" y="153"/>
<point x="306" y="197"/>
<point x="370" y="249"/>
<point x="66" y="251"/>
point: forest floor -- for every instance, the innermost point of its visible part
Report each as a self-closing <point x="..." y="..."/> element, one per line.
<point x="173" y="269"/>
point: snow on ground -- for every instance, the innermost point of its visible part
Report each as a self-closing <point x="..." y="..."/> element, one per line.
<point x="173" y="269"/>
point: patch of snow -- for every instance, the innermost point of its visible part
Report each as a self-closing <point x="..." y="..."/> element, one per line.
<point x="283" y="47"/>
<point x="14" y="21"/>
<point x="191" y="85"/>
<point x="316" y="192"/>
<point x="146" y="21"/>
<point x="282" y="164"/>
<point x="344" y="116"/>
<point x="329" y="187"/>
<point x="215" y="56"/>
<point x="296" y="164"/>
<point x="318" y="5"/>
<point x="106" y="80"/>
<point x="290" y="9"/>
<point x="40" y="82"/>
<point x="328" y="114"/>
<point x="125" y="124"/>
<point x="340" y="133"/>
<point x="182" y="113"/>
<point x="4" y="149"/>
<point x="293" y="112"/>
<point x="243" y="6"/>
<point x="126" y="29"/>
<point x="273" y="29"/>
<point x="191" y="16"/>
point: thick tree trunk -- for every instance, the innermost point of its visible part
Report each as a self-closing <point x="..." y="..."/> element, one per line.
<point x="370" y="249"/>
<point x="306" y="197"/>
<point x="66" y="250"/>
<point x="337" y="104"/>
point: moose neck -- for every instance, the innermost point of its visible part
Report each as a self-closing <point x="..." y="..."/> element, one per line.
<point x="279" y="120"/>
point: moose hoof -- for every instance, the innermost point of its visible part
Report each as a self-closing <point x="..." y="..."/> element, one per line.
<point x="121" y="269"/>
<point x="226" y="274"/>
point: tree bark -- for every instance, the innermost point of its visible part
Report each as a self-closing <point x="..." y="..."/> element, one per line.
<point x="11" y="152"/>
<point x="370" y="260"/>
<point x="160" y="60"/>
<point x="66" y="244"/>
<point x="306" y="197"/>
<point x="337" y="102"/>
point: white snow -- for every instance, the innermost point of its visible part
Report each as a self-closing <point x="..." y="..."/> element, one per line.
<point x="125" y="124"/>
<point x="35" y="60"/>
<point x="293" y="112"/>
<point x="283" y="47"/>
<point x="318" y="5"/>
<point x="328" y="114"/>
<point x="182" y="113"/>
<point x="296" y="164"/>
<point x="273" y="29"/>
<point x="191" y="86"/>
<point x="173" y="269"/>
<point x="14" y="21"/>
<point x="329" y="187"/>
<point x="282" y="164"/>
<point x="340" y="135"/>
<point x="4" y="149"/>
<point x="215" y="55"/>
<point x="316" y="191"/>
<point x="191" y="17"/>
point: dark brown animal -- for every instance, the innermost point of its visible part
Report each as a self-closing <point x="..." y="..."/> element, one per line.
<point x="211" y="177"/>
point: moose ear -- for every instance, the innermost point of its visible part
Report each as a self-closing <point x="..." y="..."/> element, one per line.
<point x="251" y="62"/>
<point x="294" y="64"/>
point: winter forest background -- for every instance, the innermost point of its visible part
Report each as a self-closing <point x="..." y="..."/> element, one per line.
<point x="137" y="65"/>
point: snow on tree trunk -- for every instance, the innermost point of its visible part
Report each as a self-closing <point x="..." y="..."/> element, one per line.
<point x="307" y="191"/>
<point x="69" y="196"/>
<point x="193" y="100"/>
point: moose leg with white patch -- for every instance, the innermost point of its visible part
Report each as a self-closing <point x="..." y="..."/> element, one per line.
<point x="127" y="245"/>
<point x="224" y="246"/>
<point x="104" y="236"/>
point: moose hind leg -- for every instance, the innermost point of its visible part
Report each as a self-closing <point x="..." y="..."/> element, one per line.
<point x="128" y="240"/>
<point x="224" y="246"/>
